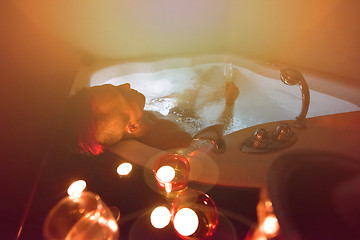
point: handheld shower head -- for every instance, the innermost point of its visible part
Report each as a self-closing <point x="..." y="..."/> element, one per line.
<point x="290" y="77"/>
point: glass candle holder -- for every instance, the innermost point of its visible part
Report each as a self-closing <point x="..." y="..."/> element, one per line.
<point x="194" y="215"/>
<point x="172" y="172"/>
<point x="84" y="216"/>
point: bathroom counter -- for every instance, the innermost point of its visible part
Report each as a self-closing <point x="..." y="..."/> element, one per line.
<point x="337" y="133"/>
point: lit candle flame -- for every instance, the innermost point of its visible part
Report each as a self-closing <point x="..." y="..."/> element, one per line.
<point x="124" y="169"/>
<point x="186" y="222"/>
<point x="165" y="174"/>
<point x="270" y="225"/>
<point x="160" y="217"/>
<point x="76" y="188"/>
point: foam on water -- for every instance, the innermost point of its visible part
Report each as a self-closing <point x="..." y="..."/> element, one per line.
<point x="193" y="97"/>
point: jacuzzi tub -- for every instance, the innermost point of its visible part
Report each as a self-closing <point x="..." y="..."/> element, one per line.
<point x="263" y="98"/>
<point x="262" y="103"/>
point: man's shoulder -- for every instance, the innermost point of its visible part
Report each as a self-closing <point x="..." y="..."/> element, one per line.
<point x="153" y="115"/>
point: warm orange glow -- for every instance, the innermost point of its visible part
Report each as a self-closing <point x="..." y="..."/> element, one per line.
<point x="268" y="204"/>
<point x="158" y="28"/>
<point x="107" y="23"/>
<point x="186" y="222"/>
<point x="171" y="171"/>
<point x="112" y="225"/>
<point x="270" y="225"/>
<point x="168" y="187"/>
<point x="261" y="238"/>
<point x="165" y="174"/>
<point x="124" y="169"/>
<point x="76" y="188"/>
<point x="109" y="223"/>
<point x="160" y="217"/>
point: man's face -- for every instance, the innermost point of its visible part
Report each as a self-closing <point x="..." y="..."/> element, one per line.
<point x="114" y="107"/>
<point x="109" y="99"/>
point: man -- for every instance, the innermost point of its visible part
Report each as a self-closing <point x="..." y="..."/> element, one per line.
<point x="100" y="116"/>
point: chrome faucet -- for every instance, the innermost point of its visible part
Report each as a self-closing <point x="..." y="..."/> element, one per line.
<point x="283" y="136"/>
<point x="263" y="141"/>
<point x="214" y="134"/>
<point x="291" y="76"/>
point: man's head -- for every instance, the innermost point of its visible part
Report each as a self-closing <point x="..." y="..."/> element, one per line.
<point x="101" y="115"/>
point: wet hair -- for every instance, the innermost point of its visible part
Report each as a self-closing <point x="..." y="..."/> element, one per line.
<point x="79" y="126"/>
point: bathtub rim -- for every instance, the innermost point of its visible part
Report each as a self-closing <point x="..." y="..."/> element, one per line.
<point x="244" y="170"/>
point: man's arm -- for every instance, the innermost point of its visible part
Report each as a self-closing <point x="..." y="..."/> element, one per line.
<point x="164" y="134"/>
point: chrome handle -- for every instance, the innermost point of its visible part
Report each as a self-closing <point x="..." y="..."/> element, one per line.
<point x="291" y="76"/>
<point x="214" y="134"/>
<point x="263" y="142"/>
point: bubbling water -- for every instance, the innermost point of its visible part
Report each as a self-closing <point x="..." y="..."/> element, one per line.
<point x="194" y="96"/>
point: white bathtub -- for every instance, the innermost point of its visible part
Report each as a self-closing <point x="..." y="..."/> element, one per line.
<point x="263" y="101"/>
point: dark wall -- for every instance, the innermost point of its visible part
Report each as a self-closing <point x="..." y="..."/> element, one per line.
<point x="36" y="75"/>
